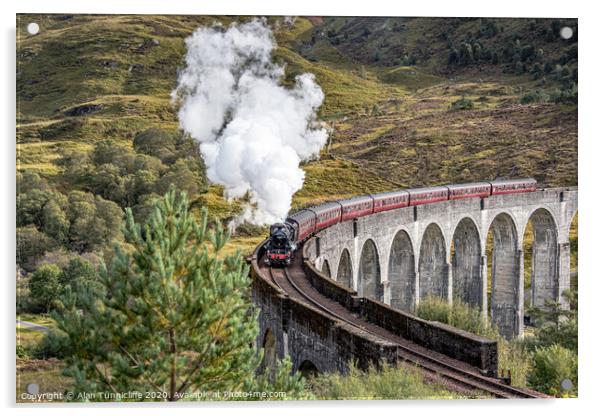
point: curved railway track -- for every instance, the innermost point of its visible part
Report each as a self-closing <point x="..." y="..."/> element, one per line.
<point x="436" y="366"/>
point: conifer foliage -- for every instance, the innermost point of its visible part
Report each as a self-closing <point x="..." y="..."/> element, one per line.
<point x="177" y="317"/>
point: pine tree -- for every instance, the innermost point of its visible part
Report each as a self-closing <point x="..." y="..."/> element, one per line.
<point x="177" y="317"/>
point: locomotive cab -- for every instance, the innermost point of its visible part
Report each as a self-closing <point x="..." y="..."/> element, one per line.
<point x="280" y="246"/>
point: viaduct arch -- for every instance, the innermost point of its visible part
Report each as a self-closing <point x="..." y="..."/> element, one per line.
<point x="369" y="271"/>
<point x="432" y="266"/>
<point x="345" y="269"/>
<point x="326" y="268"/>
<point x="544" y="267"/>
<point x="505" y="276"/>
<point x="466" y="263"/>
<point x="401" y="272"/>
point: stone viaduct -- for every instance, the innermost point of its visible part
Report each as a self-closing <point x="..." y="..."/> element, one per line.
<point x="404" y="255"/>
<point x="380" y="266"/>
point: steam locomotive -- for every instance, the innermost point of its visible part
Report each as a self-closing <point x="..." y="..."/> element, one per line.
<point x="285" y="237"/>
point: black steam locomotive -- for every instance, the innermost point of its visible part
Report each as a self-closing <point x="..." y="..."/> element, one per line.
<point x="281" y="245"/>
<point x="284" y="237"/>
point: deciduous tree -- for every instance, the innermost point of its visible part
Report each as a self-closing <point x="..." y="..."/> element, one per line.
<point x="44" y="286"/>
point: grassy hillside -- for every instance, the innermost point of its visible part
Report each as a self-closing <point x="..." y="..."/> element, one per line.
<point x="408" y="118"/>
<point x="424" y="141"/>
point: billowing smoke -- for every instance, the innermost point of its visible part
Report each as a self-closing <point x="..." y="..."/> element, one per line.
<point x="253" y="131"/>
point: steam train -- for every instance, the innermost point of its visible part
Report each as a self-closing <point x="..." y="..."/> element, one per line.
<point x="285" y="237"/>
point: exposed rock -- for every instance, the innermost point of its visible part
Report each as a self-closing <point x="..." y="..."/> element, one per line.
<point x="136" y="68"/>
<point x="83" y="110"/>
<point x="109" y="64"/>
<point x="147" y="43"/>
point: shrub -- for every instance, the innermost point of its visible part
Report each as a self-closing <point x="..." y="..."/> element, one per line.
<point x="567" y="95"/>
<point x="458" y="315"/>
<point x="22" y="351"/>
<point x="28" y="181"/>
<point x="556" y="325"/>
<point x="462" y="104"/>
<point x="376" y="110"/>
<point x="527" y="53"/>
<point x="552" y="365"/>
<point x="537" y="71"/>
<point x="514" y="356"/>
<point x="519" y="67"/>
<point x="49" y="347"/>
<point x="279" y="379"/>
<point x="453" y="56"/>
<point x="466" y="56"/>
<point x="23" y="300"/>
<point x="536" y="96"/>
<point x="386" y="383"/>
<point x="564" y="334"/>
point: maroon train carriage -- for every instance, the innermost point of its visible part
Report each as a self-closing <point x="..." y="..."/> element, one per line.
<point x="469" y="190"/>
<point x="386" y="201"/>
<point x="304" y="222"/>
<point x="513" y="186"/>
<point x="428" y="195"/>
<point x="327" y="214"/>
<point x="356" y="207"/>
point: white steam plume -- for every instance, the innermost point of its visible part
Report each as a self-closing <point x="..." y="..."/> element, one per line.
<point x="253" y="132"/>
